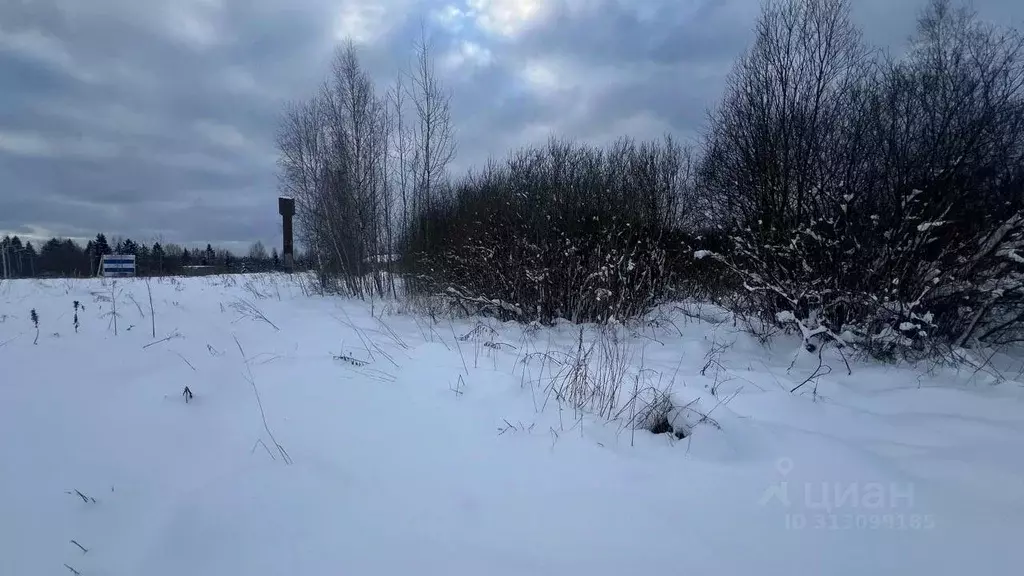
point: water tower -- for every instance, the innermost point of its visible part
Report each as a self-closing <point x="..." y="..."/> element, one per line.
<point x="286" y="207"/>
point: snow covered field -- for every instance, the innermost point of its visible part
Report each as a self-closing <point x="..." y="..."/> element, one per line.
<point x="332" y="437"/>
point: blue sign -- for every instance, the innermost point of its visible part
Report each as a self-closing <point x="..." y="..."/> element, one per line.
<point x="117" y="265"/>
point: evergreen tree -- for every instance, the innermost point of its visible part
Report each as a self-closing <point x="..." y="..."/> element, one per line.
<point x="15" y="254"/>
<point x="62" y="257"/>
<point x="129" y="246"/>
<point x="142" y="260"/>
<point x="157" y="258"/>
<point x="6" y="267"/>
<point x="31" y="257"/>
<point x="94" y="257"/>
<point x="101" y="245"/>
<point x="95" y="250"/>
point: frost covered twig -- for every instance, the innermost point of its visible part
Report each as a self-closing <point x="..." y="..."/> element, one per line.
<point x="247" y="309"/>
<point x="171" y="336"/>
<point x="86" y="499"/>
<point x="821" y="370"/>
<point x="483" y="303"/>
<point x="263" y="415"/>
<point x="185" y="360"/>
<point x="457" y="345"/>
<point x="152" y="313"/>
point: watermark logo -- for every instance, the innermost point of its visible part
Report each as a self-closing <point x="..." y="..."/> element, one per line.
<point x="844" y="505"/>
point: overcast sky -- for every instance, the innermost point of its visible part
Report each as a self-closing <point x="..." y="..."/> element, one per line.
<point x="155" y="118"/>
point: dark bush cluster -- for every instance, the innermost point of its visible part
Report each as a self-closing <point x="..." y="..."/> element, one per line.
<point x="850" y="195"/>
<point x="869" y="199"/>
<point x="564" y="231"/>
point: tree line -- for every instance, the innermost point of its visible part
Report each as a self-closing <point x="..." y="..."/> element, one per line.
<point x="63" y="257"/>
<point x="846" y="193"/>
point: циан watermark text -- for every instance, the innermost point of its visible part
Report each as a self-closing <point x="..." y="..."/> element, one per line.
<point x="845" y="505"/>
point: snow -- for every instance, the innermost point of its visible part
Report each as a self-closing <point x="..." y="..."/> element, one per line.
<point x="416" y="452"/>
<point x="925" y="226"/>
<point x="785" y="316"/>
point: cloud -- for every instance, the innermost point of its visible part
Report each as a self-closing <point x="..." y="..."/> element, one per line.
<point x="157" y="118"/>
<point x="361" y="22"/>
<point x="501" y="18"/>
<point x="36" y="46"/>
<point x="25" y="144"/>
<point x="221" y="135"/>
<point x="508" y="18"/>
<point x="467" y="54"/>
<point x="36" y="145"/>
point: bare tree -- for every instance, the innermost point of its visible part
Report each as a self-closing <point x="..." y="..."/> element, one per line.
<point x="258" y="252"/>
<point x="334" y="161"/>
<point x="773" y="141"/>
<point x="302" y="163"/>
<point x="433" y="133"/>
<point x="403" y="146"/>
<point x="858" y="191"/>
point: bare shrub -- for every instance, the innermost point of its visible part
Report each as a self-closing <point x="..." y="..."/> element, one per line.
<point x="592" y="375"/>
<point x="247" y="309"/>
<point x="868" y="200"/>
<point x="564" y="231"/>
